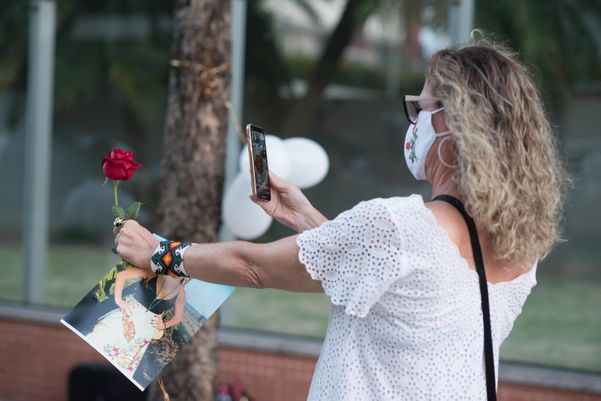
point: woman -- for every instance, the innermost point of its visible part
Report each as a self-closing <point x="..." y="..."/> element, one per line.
<point x="124" y="334"/>
<point x="407" y="315"/>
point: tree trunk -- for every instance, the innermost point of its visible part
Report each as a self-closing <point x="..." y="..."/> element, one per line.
<point x="192" y="170"/>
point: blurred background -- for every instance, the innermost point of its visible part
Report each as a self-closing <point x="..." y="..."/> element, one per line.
<point x="111" y="65"/>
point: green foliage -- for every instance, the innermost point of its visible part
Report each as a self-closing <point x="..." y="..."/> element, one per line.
<point x="13" y="39"/>
<point x="106" y="286"/>
<point x="349" y="73"/>
<point x="555" y="39"/>
<point x="132" y="71"/>
<point x="366" y="8"/>
<point x="308" y="8"/>
<point x="265" y="67"/>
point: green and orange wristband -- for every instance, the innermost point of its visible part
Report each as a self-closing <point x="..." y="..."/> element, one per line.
<point x="168" y="258"/>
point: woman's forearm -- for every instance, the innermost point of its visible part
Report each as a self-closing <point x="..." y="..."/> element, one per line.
<point x="228" y="263"/>
<point x="238" y="263"/>
<point x="245" y="264"/>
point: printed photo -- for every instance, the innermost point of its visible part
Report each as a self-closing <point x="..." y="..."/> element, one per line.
<point x="139" y="321"/>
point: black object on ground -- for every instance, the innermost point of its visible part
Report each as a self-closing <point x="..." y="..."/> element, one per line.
<point x="101" y="382"/>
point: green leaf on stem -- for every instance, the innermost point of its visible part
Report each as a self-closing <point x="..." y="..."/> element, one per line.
<point x="133" y="210"/>
<point x="118" y="211"/>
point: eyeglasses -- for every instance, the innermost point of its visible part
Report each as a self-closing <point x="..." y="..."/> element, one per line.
<point x="412" y="106"/>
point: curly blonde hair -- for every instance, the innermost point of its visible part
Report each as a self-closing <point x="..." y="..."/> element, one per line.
<point x="508" y="171"/>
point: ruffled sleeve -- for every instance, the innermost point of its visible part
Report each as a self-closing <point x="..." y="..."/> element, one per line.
<point x="356" y="256"/>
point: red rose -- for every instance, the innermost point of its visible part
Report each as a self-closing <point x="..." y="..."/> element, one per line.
<point x="119" y="164"/>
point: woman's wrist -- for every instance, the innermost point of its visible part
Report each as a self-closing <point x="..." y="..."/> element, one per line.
<point x="311" y="219"/>
<point x="168" y="258"/>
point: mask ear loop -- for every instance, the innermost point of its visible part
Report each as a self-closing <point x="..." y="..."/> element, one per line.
<point x="440" y="155"/>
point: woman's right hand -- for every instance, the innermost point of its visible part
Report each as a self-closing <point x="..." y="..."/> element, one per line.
<point x="158" y="323"/>
<point x="289" y="206"/>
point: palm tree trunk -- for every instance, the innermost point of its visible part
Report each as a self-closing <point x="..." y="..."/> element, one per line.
<point x="192" y="170"/>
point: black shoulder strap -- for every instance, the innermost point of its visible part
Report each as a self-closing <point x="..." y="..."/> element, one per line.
<point x="488" y="349"/>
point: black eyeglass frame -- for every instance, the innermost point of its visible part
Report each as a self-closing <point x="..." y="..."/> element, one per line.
<point x="414" y="101"/>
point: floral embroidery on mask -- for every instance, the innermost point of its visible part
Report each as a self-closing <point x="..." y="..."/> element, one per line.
<point x="411" y="145"/>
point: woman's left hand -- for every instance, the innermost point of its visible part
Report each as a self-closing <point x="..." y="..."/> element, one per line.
<point x="158" y="323"/>
<point x="135" y="244"/>
<point x="289" y="206"/>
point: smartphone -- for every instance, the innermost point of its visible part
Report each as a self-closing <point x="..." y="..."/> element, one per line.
<point x="257" y="155"/>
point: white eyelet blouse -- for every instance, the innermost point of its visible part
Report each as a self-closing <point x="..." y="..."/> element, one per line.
<point x="406" y="319"/>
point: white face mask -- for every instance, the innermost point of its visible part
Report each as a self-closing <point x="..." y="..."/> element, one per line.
<point x="418" y="141"/>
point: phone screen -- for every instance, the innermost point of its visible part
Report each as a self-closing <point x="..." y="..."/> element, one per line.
<point x="258" y="157"/>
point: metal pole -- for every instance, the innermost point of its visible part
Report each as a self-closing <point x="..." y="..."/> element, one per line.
<point x="461" y="20"/>
<point x="233" y="146"/>
<point x="40" y="75"/>
<point x="393" y="61"/>
<point x="393" y="68"/>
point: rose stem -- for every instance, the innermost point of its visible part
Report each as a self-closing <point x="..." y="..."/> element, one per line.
<point x="115" y="185"/>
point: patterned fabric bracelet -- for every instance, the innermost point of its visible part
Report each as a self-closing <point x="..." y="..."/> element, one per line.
<point x="168" y="258"/>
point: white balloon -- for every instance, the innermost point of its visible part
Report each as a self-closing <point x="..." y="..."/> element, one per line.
<point x="277" y="157"/>
<point x="309" y="162"/>
<point x="243" y="162"/>
<point x="243" y="217"/>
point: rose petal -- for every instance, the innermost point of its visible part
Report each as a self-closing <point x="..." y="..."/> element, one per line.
<point x="119" y="164"/>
